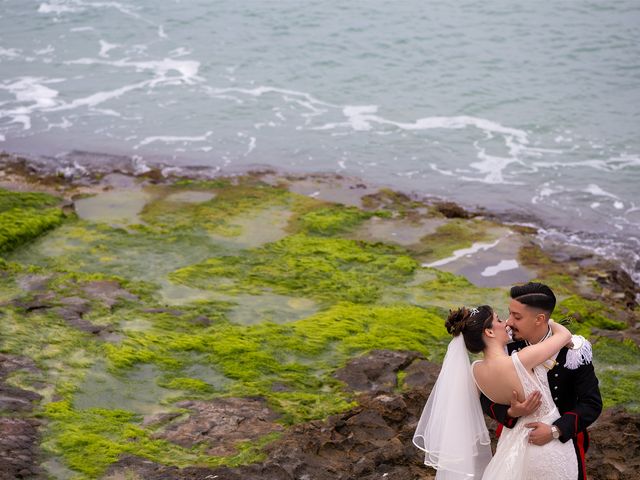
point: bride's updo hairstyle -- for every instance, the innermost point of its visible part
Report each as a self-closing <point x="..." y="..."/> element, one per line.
<point x="470" y="322"/>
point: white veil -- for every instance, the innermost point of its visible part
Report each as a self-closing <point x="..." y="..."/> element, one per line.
<point x="451" y="430"/>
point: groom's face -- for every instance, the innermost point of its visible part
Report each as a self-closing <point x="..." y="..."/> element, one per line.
<point x="523" y="321"/>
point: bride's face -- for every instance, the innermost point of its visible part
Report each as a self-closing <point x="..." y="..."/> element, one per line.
<point x="499" y="328"/>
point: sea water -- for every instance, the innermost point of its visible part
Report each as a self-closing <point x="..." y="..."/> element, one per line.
<point x="530" y="108"/>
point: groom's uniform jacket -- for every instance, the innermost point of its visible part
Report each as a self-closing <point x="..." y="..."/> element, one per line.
<point x="575" y="393"/>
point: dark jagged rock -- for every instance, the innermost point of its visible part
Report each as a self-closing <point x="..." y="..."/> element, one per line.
<point x="222" y="424"/>
<point x="375" y="438"/>
<point x="376" y="371"/>
<point x="451" y="210"/>
<point x="108" y="292"/>
<point x="18" y="449"/>
<point x="367" y="442"/>
<point x="421" y="374"/>
<point x="614" y="453"/>
<point x="19" y="438"/>
<point x="72" y="311"/>
<point x="14" y="399"/>
<point x="11" y="363"/>
<point x="40" y="301"/>
<point x="33" y="283"/>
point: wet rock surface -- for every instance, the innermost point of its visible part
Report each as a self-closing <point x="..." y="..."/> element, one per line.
<point x="19" y="438"/>
<point x="222" y="424"/>
<point x="108" y="292"/>
<point x="614" y="453"/>
<point x="18" y="448"/>
<point x="376" y="372"/>
<point x="372" y="440"/>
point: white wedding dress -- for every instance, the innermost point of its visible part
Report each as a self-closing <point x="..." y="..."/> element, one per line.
<point x="515" y="458"/>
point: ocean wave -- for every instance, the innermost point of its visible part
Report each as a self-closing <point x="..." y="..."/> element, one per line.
<point x="31" y="94"/>
<point x="187" y="69"/>
<point x="613" y="163"/>
<point x="173" y="139"/>
<point x="59" y="7"/>
<point x="35" y="94"/>
<point x="489" y="168"/>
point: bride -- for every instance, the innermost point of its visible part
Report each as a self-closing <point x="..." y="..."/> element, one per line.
<point x="451" y="430"/>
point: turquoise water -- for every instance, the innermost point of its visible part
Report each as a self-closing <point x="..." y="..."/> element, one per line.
<point x="530" y="108"/>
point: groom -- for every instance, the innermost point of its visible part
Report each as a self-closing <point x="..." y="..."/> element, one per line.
<point x="572" y="380"/>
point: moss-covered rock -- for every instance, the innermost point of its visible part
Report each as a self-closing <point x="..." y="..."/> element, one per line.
<point x="25" y="216"/>
<point x="329" y="269"/>
<point x="587" y="314"/>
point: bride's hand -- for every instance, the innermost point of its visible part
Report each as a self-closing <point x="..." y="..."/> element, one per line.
<point x="521" y="409"/>
<point x="560" y="330"/>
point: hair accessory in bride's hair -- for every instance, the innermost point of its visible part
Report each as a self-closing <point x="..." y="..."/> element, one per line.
<point x="473" y="311"/>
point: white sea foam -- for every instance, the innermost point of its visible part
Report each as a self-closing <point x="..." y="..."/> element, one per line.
<point x="105" y="47"/>
<point x="9" y="52"/>
<point x="188" y="69"/>
<point x="45" y="51"/>
<point x="492" y="167"/>
<point x="362" y="117"/>
<point x="612" y="164"/>
<point x="252" y="145"/>
<point x="139" y="165"/>
<point x="31" y="89"/>
<point x="172" y="139"/>
<point x="64" y="124"/>
<point x="544" y="191"/>
<point x="502" y="266"/>
<point x="179" y="52"/>
<point x="100" y="97"/>
<point x="31" y="95"/>
<point x="463" y="252"/>
<point x="594" y="189"/>
<point x="302" y="98"/>
<point x="58" y="8"/>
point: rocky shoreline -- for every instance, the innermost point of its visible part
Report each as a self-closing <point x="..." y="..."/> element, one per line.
<point x="170" y="336"/>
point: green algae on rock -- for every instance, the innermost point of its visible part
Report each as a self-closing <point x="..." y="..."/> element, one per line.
<point x="329" y="269"/>
<point x="335" y="219"/>
<point x="588" y="313"/>
<point x="25" y="216"/>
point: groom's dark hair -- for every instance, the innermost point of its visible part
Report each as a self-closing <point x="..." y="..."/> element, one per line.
<point x="536" y="295"/>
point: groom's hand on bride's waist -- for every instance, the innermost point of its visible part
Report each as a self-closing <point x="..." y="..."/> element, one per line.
<point x="540" y="434"/>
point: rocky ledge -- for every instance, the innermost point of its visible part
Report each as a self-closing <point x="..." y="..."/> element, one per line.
<point x="263" y="326"/>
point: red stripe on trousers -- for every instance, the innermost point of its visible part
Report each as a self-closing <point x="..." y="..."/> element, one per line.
<point x="580" y="444"/>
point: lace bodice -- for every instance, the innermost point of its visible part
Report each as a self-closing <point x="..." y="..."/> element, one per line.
<point x="532" y="381"/>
